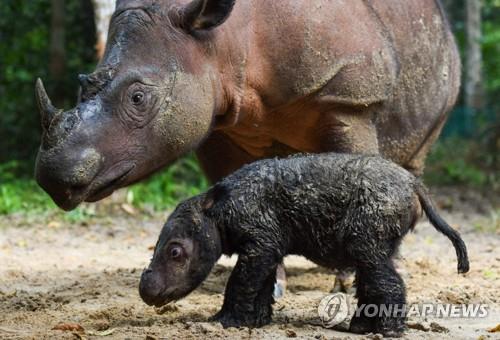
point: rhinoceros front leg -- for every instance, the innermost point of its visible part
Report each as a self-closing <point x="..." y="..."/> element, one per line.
<point x="219" y="156"/>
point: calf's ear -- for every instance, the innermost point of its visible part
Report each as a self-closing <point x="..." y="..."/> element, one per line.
<point x="215" y="195"/>
<point x="203" y="14"/>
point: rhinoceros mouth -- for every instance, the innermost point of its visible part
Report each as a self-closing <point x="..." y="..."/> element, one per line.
<point x="108" y="184"/>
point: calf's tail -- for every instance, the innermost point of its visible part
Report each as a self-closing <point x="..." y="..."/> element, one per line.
<point x="443" y="227"/>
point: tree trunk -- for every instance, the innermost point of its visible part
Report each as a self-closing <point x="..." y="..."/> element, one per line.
<point x="57" y="49"/>
<point x="474" y="59"/>
<point x="103" y="10"/>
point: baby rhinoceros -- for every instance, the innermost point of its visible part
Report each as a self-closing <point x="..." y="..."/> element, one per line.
<point x="337" y="210"/>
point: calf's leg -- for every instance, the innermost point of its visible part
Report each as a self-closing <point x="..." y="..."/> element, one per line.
<point x="348" y="131"/>
<point x="249" y="292"/>
<point x="219" y="156"/>
<point x="379" y="285"/>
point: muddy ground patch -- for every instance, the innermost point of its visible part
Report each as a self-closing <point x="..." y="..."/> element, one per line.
<point x="86" y="274"/>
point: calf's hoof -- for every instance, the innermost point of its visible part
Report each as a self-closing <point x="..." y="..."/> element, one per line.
<point x="392" y="334"/>
<point x="390" y="327"/>
<point x="361" y="325"/>
<point x="257" y="319"/>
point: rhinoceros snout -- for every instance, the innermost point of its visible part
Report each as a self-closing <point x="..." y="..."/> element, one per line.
<point x="67" y="176"/>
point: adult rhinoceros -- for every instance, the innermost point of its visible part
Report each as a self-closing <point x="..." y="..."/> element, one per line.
<point x="242" y="80"/>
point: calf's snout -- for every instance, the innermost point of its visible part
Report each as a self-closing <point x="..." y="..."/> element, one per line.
<point x="150" y="287"/>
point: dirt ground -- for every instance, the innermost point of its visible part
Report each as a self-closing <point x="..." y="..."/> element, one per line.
<point x="86" y="273"/>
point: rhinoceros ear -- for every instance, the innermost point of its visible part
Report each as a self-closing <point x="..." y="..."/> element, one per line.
<point x="204" y="14"/>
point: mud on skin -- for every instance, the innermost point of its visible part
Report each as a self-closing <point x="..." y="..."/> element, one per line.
<point x="337" y="210"/>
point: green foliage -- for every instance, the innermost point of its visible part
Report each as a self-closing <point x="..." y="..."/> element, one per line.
<point x="490" y="44"/>
<point x="20" y="194"/>
<point x="491" y="47"/>
<point x="24" y="56"/>
<point x="455" y="161"/>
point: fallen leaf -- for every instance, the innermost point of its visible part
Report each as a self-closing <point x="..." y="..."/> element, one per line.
<point x="68" y="327"/>
<point x="103" y="333"/>
<point x="129" y="209"/>
<point x="494" y="329"/>
<point x="54" y="225"/>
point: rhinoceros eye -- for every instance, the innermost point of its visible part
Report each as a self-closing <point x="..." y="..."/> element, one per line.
<point x="138" y="98"/>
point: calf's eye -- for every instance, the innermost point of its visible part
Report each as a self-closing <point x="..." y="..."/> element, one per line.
<point x="175" y="252"/>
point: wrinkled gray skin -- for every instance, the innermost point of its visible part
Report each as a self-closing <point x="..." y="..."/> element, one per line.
<point x="337" y="210"/>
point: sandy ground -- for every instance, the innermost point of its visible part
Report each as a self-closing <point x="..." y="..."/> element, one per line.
<point x="87" y="274"/>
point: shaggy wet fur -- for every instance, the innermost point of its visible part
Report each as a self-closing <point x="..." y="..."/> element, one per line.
<point x="337" y="210"/>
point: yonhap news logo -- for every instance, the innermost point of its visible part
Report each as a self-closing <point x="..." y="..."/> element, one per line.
<point x="336" y="308"/>
<point x="333" y="309"/>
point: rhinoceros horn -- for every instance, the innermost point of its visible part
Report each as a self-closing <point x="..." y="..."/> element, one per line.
<point x="47" y="110"/>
